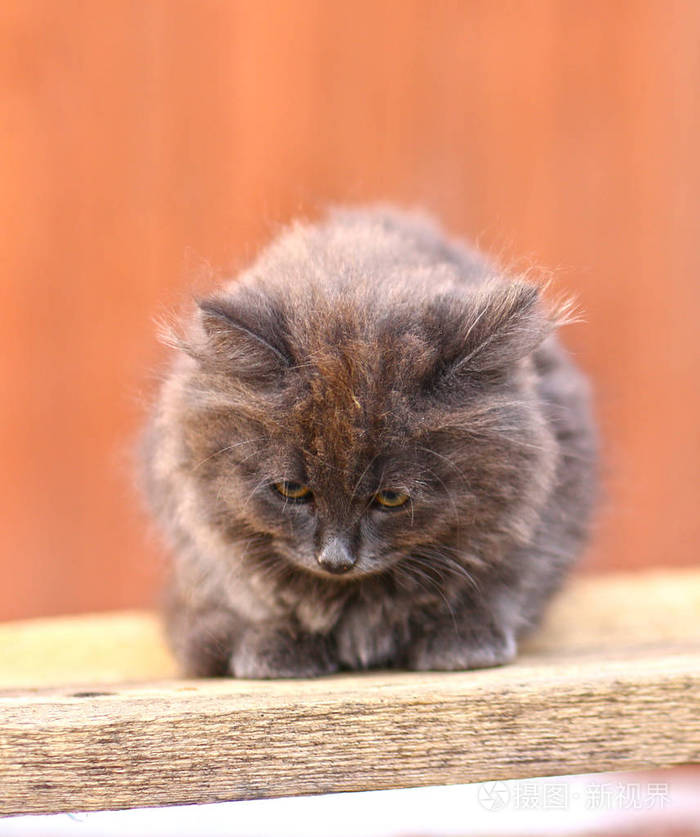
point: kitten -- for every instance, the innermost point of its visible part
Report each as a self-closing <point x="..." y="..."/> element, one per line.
<point x="370" y="451"/>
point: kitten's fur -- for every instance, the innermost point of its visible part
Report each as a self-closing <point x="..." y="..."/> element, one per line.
<point x="367" y="352"/>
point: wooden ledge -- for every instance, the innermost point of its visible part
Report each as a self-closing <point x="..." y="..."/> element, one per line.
<point x="91" y="716"/>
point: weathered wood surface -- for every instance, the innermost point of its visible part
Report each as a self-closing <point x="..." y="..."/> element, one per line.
<point x="611" y="682"/>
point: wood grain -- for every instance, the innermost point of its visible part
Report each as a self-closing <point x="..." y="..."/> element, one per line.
<point x="611" y="682"/>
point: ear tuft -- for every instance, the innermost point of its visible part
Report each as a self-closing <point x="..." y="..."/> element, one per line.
<point x="244" y="335"/>
<point x="506" y="321"/>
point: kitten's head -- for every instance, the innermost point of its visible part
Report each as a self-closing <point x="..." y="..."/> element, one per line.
<point x="345" y="425"/>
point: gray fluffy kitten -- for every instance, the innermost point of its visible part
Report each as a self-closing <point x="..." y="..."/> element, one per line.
<point x="370" y="451"/>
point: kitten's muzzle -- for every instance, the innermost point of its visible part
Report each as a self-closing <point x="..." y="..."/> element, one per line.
<point x="336" y="557"/>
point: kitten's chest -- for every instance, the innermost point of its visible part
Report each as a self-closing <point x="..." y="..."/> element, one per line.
<point x="370" y="626"/>
<point x="345" y="612"/>
<point x="370" y="632"/>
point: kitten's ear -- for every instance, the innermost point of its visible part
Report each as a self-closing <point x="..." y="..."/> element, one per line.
<point x="505" y="322"/>
<point x="245" y="336"/>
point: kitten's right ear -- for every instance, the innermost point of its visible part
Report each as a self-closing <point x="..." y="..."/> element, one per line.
<point x="243" y="336"/>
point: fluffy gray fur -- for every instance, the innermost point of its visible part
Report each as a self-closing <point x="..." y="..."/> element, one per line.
<point x="362" y="355"/>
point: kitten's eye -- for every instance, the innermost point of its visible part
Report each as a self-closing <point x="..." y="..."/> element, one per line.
<point x="296" y="491"/>
<point x="390" y="499"/>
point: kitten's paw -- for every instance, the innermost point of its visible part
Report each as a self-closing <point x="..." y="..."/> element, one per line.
<point x="448" y="651"/>
<point x="263" y="654"/>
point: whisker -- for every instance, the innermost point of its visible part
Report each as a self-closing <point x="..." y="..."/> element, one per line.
<point x="254" y="491"/>
<point x="445" y="459"/>
<point x="224" y="450"/>
<point x="429" y="556"/>
<point x="449" y="564"/>
<point x="447" y="492"/>
<point x="434" y="585"/>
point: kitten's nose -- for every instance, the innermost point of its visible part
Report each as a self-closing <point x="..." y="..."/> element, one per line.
<point x="335" y="557"/>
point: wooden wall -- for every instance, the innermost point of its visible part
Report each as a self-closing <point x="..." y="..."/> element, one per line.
<point x="145" y="144"/>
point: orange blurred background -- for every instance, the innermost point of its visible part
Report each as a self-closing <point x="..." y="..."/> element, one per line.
<point x="147" y="144"/>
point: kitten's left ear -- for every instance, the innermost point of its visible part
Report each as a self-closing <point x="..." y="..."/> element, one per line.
<point x="505" y="322"/>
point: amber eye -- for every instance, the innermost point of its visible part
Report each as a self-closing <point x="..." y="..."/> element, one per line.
<point x="296" y="491"/>
<point x="390" y="499"/>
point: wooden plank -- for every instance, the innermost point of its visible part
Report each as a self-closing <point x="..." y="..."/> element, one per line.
<point x="116" y="647"/>
<point x="612" y="682"/>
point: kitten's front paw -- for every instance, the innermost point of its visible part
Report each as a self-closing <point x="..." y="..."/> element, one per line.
<point x="446" y="650"/>
<point x="266" y="653"/>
